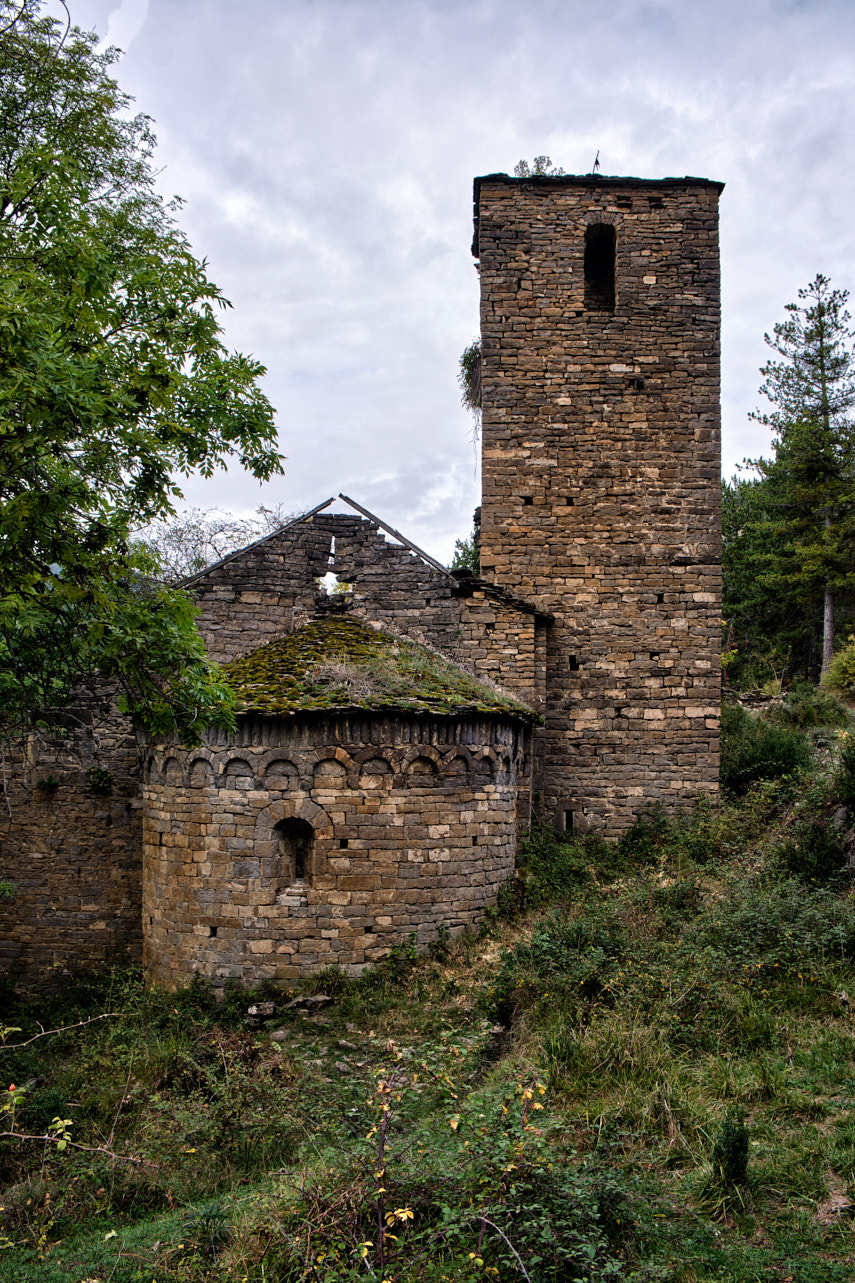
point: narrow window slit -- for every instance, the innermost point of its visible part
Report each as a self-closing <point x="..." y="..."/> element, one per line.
<point x="294" y="848"/>
<point x="600" y="244"/>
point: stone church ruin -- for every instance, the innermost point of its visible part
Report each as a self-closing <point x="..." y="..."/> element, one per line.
<point x="394" y="735"/>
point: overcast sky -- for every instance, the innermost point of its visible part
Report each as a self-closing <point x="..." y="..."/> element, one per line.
<point x="326" y="149"/>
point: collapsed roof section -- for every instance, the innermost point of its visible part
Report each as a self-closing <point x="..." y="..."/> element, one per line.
<point x="354" y="566"/>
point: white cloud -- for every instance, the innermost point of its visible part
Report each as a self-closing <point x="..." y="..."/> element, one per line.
<point x="125" y="23"/>
<point x="326" y="149"/>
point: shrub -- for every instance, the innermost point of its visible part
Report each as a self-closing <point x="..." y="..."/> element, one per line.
<point x="647" y="839"/>
<point x="550" y="866"/>
<point x="815" y="852"/>
<point x="753" y="750"/>
<point x="841" y="671"/>
<point x="730" y="1151"/>
<point x="807" y="707"/>
<point x="844" y="781"/>
<point x="574" y="956"/>
<point x="781" y="922"/>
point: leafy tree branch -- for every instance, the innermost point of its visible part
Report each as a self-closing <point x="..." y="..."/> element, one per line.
<point x="114" y="379"/>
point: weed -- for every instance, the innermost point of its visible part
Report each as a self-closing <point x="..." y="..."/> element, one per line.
<point x="439" y="949"/>
<point x="206" y="1230"/>
<point x="550" y="865"/>
<point x="845" y="777"/>
<point x="99" y="780"/>
<point x="730" y="1151"/>
<point x="644" y="842"/>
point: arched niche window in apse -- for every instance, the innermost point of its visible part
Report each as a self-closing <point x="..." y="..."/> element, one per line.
<point x="600" y="246"/>
<point x="293" y="849"/>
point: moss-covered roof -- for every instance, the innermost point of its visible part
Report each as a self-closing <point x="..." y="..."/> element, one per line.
<point x="339" y="662"/>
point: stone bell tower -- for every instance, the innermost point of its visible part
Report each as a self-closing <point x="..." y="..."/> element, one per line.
<point x="601" y="476"/>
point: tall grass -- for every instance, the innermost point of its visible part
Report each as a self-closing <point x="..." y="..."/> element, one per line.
<point x="640" y="1070"/>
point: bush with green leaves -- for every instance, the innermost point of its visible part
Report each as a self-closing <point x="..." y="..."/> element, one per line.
<point x="776" y="922"/>
<point x="808" y="707"/>
<point x="568" y="957"/>
<point x="844" y="780"/>
<point x="482" y="1196"/>
<point x="752" y="749"/>
<point x="841" y="671"/>
<point x="815" y="851"/>
<point x="549" y="865"/>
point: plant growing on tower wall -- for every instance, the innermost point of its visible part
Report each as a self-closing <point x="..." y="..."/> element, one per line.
<point x="469" y="379"/>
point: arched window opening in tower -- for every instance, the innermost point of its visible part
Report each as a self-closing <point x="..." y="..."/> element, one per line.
<point x="600" y="244"/>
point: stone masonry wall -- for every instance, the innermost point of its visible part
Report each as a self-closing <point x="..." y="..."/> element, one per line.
<point x="273" y="587"/>
<point x="75" y="856"/>
<point x="601" y="478"/>
<point x="414" y="824"/>
<point x="72" y="852"/>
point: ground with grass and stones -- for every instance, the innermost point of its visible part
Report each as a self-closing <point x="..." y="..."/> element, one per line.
<point x="643" y="1068"/>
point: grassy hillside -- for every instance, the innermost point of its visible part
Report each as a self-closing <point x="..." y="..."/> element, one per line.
<point x="642" y="1069"/>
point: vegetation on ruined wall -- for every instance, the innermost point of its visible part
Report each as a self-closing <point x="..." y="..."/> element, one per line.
<point x="339" y="662"/>
<point x="642" y="1069"/>
<point x="789" y="531"/>
<point x="469" y="381"/>
<point x="541" y="166"/>
<point x="113" y="379"/>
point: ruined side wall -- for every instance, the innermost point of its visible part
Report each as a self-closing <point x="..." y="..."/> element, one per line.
<point x="73" y="853"/>
<point x="601" y="478"/>
<point x="414" y="825"/>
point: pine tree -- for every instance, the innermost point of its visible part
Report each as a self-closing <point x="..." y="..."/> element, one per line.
<point x="809" y="487"/>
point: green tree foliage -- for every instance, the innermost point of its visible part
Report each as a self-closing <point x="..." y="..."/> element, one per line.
<point x="809" y="486"/>
<point x="789" y="531"/>
<point x="113" y="379"/>
<point x="466" y="555"/>
<point x="766" y="630"/>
